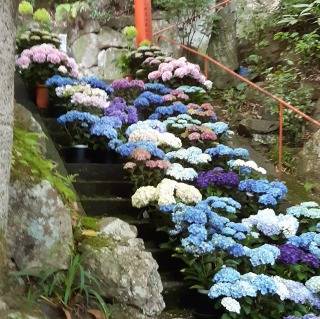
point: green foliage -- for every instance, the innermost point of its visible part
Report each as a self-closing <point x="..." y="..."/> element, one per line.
<point x="296" y="11"/>
<point x="69" y="11"/>
<point x="25" y="8"/>
<point x="234" y="98"/>
<point x="29" y="163"/>
<point x="288" y="157"/>
<point x="42" y="16"/>
<point x="306" y="46"/>
<point x="64" y="287"/>
<point x="285" y="82"/>
<point x="130" y="32"/>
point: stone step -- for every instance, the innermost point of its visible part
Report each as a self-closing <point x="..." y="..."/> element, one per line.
<point x="104" y="189"/>
<point x="175" y="294"/>
<point x="166" y="262"/>
<point x="96" y="172"/>
<point x="113" y="206"/>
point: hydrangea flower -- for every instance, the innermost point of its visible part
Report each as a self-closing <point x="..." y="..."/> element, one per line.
<point x="74" y="116"/>
<point x="180" y="173"/>
<point x="191" y="155"/>
<point x="306" y="209"/>
<point x="270" y="224"/>
<point x="222" y="150"/>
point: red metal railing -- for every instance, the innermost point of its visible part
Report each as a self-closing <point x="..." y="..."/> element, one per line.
<point x="282" y="104"/>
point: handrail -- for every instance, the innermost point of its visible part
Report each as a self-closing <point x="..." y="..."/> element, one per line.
<point x="217" y="6"/>
<point x="282" y="104"/>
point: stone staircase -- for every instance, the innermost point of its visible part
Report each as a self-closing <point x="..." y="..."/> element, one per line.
<point x="104" y="192"/>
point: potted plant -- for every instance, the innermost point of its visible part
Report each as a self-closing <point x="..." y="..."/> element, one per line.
<point x="40" y="62"/>
<point x="78" y="126"/>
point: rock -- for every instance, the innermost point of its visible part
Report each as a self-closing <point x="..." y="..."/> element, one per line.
<point x="117" y="229"/>
<point x="223" y="47"/>
<point x="118" y="23"/>
<point x="249" y="10"/>
<point x="127" y="273"/>
<point x="26" y="120"/>
<point x="109" y="38"/>
<point x="20" y="315"/>
<point x="39" y="228"/>
<point x="107" y="63"/>
<point x="309" y="158"/>
<point x="3" y="305"/>
<point x="85" y="50"/>
<point x="249" y="126"/>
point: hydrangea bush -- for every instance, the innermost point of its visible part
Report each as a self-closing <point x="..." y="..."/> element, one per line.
<point x="254" y="258"/>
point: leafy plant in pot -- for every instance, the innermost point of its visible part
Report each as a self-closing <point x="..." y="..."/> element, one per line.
<point x="37" y="64"/>
<point x="77" y="125"/>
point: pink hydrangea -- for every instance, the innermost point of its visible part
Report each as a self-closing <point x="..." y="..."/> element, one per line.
<point x="155" y="75"/>
<point x="47" y="53"/>
<point x="166" y="76"/>
<point x="23" y="62"/>
<point x="140" y="154"/>
<point x="194" y="136"/>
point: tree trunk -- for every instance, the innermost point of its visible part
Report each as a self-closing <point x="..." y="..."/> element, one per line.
<point x="7" y="66"/>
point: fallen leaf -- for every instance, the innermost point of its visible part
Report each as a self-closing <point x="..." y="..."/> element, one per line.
<point x="67" y="313"/>
<point x="96" y="313"/>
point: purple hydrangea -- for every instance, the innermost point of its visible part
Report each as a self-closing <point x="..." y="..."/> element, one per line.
<point x="290" y="254"/>
<point x="217" y="177"/>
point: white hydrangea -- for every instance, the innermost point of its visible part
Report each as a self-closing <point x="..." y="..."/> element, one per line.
<point x="158" y="138"/>
<point x="249" y="164"/>
<point x="313" y="284"/>
<point x="180" y="173"/>
<point x="188" y="194"/>
<point x="167" y="192"/>
<point x="144" y="196"/>
<point x="270" y="224"/>
<point x="282" y="290"/>
<point x="231" y="304"/>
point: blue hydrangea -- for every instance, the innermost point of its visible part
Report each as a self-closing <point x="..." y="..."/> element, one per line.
<point x="161" y="111"/>
<point x="263" y="255"/>
<point x="147" y="98"/>
<point x="74" y="116"/>
<point x="114" y="143"/>
<point x="218" y="127"/>
<point x="222" y="150"/>
<point x="269" y="193"/>
<point x="58" y="80"/>
<point x="226" y="274"/>
<point x="157" y="88"/>
<point x="125" y="150"/>
<point x="97" y="83"/>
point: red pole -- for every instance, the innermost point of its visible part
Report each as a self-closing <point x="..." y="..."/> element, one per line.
<point x="280" y="139"/>
<point x="143" y="19"/>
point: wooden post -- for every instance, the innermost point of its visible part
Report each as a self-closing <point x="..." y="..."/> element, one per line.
<point x="143" y="19"/>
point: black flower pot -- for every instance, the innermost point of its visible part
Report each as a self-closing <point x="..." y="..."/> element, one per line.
<point x="75" y="154"/>
<point x="103" y="156"/>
